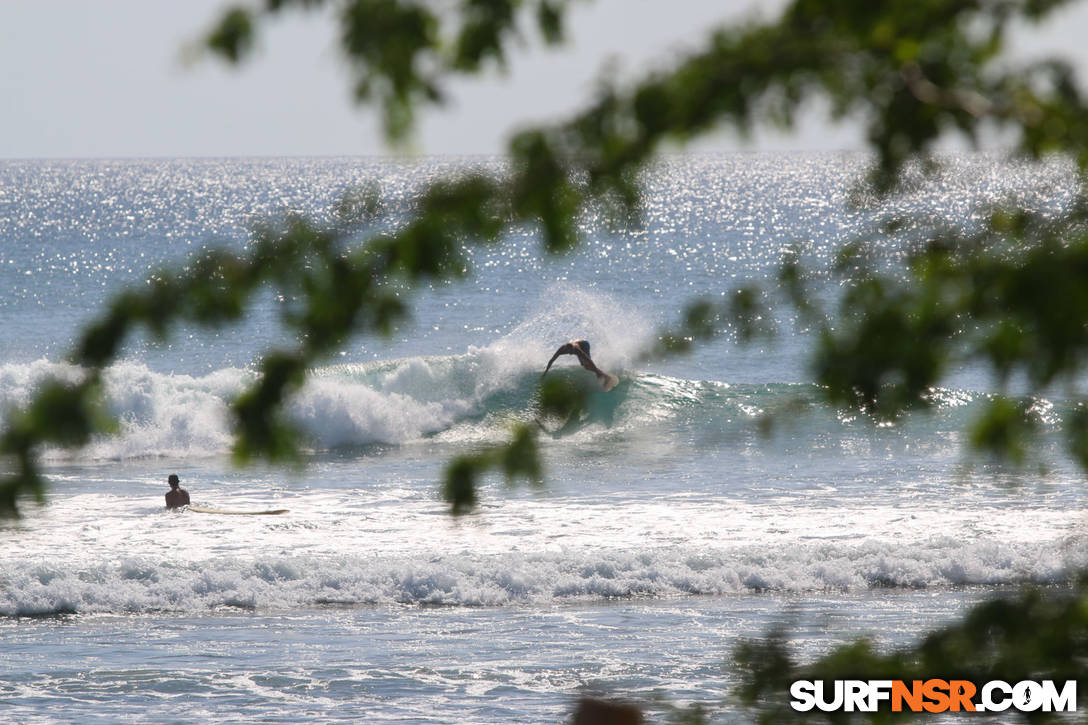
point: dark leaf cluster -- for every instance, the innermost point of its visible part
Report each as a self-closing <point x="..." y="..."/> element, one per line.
<point x="401" y="52"/>
<point x="1038" y="634"/>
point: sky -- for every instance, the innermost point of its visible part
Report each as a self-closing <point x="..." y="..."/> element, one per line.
<point x="112" y="79"/>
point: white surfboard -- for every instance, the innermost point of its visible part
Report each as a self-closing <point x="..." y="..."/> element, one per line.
<point x="269" y="512"/>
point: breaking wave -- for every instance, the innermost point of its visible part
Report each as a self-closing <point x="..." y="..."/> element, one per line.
<point x="473" y="396"/>
<point x="287" y="582"/>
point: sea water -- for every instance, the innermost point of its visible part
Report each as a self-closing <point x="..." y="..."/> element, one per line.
<point x="674" y="520"/>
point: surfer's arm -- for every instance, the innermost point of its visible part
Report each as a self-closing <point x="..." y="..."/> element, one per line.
<point x="564" y="349"/>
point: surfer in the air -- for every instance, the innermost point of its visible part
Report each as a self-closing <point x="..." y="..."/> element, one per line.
<point x="580" y="349"/>
<point x="177" y="496"/>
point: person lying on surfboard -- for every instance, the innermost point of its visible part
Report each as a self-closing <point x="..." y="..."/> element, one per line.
<point x="580" y="349"/>
<point x="177" y="496"/>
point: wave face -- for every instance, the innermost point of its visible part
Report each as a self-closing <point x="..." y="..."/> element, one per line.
<point x="469" y="397"/>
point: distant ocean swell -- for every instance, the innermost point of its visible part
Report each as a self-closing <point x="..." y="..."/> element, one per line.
<point x="457" y="398"/>
<point x="287" y="582"/>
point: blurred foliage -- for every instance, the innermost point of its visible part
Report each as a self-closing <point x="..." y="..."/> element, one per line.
<point x="912" y="72"/>
<point x="518" y="459"/>
<point x="594" y="711"/>
<point x="1010" y="297"/>
<point x="401" y="52"/>
<point x="1008" y="294"/>
<point x="1033" y="635"/>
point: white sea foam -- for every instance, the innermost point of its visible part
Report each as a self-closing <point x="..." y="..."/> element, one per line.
<point x="337" y="412"/>
<point x="140" y="584"/>
<point x="173" y="415"/>
<point x="362" y="550"/>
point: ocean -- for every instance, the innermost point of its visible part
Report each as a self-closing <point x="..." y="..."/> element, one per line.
<point x="673" y="522"/>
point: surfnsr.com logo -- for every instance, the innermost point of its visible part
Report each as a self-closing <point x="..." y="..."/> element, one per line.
<point x="933" y="695"/>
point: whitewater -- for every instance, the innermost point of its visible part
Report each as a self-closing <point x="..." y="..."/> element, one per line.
<point x="706" y="498"/>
